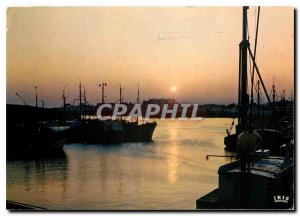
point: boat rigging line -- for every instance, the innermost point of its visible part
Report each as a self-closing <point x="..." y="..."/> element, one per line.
<point x="21" y="98"/>
<point x="252" y="75"/>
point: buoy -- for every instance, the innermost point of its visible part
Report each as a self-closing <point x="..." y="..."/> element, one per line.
<point x="248" y="142"/>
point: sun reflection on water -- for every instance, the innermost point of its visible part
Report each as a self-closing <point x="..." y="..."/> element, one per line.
<point x="172" y="159"/>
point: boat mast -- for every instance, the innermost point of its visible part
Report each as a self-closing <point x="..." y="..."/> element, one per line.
<point x="138" y="100"/>
<point x="80" y="101"/>
<point x="43" y="103"/>
<point x="121" y="98"/>
<point x="274" y="91"/>
<point x="36" y="97"/>
<point x="64" y="100"/>
<point x="138" y="95"/>
<point x="243" y="96"/>
<point x="102" y="85"/>
<point x="283" y="95"/>
<point x="84" y="98"/>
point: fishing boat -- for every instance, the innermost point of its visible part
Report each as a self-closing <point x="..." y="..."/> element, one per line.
<point x="277" y="128"/>
<point x="110" y="131"/>
<point x="92" y="131"/>
<point x="29" y="135"/>
<point x="139" y="133"/>
<point x="255" y="179"/>
<point x="135" y="132"/>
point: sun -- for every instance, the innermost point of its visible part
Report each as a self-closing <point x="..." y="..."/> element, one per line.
<point x="173" y="88"/>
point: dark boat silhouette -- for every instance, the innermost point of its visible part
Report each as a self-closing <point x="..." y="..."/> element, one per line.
<point x="255" y="180"/>
<point x="139" y="133"/>
<point x="275" y="130"/>
<point x="95" y="131"/>
<point x="29" y="135"/>
<point x="110" y="132"/>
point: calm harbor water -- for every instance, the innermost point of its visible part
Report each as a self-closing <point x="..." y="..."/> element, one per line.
<point x="169" y="173"/>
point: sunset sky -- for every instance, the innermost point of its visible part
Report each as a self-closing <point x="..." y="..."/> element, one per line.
<point x="187" y="53"/>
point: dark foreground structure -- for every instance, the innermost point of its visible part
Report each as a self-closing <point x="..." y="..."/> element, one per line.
<point x="269" y="185"/>
<point x="15" y="206"/>
<point x="39" y="132"/>
<point x="28" y="135"/>
<point x="275" y="129"/>
<point x="267" y="182"/>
